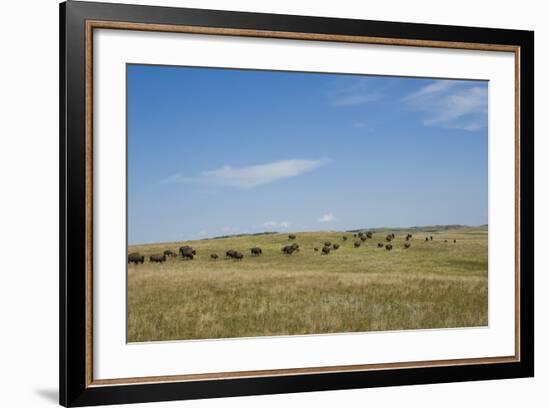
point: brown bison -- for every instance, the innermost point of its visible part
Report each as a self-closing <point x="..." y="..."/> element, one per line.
<point x="427" y="239"/>
<point x="316" y="249"/>
<point x="189" y="248"/>
<point x="431" y="238"/>
<point x="356" y="244"/>
<point x="290" y="249"/>
<point x="213" y="256"/>
<point x="407" y="245"/>
<point x="389" y="237"/>
<point x="454" y="241"/>
<point x="328" y="243"/>
<point x="168" y="252"/>
<point x="136" y="258"/>
<point x="256" y="251"/>
<point x="409" y="236"/>
<point x="187" y="252"/>
<point x="380" y="245"/>
<point x="389" y="247"/>
<point x="344" y="238"/>
<point x="326" y="250"/>
<point x="157" y="258"/>
<point x="363" y="238"/>
<point x="369" y="235"/>
<point x="237" y="256"/>
<point x="292" y="236"/>
<point x="445" y="241"/>
<point x="335" y="246"/>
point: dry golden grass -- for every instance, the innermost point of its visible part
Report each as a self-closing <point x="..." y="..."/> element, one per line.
<point x="431" y="285"/>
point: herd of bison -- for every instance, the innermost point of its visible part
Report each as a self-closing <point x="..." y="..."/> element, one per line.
<point x="188" y="253"/>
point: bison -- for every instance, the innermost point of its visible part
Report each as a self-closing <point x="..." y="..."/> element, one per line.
<point x="407" y="245"/>
<point x="157" y="258"/>
<point x="290" y="249"/>
<point x="326" y="250"/>
<point x="431" y="238"/>
<point x="389" y="247"/>
<point x="256" y="251"/>
<point x="427" y="239"/>
<point x="356" y="244"/>
<point x="445" y="241"/>
<point x="316" y="249"/>
<point x="213" y="256"/>
<point x="187" y="248"/>
<point x="344" y="238"/>
<point x="454" y="241"/>
<point x="335" y="246"/>
<point x="363" y="238"/>
<point x="369" y="235"/>
<point x="237" y="256"/>
<point x="187" y="252"/>
<point x="389" y="237"/>
<point x="328" y="243"/>
<point x="230" y="253"/>
<point x="169" y="252"/>
<point x="136" y="258"/>
<point x="292" y="236"/>
<point x="380" y="245"/>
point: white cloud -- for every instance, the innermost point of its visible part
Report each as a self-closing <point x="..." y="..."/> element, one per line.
<point x="435" y="88"/>
<point x="451" y="104"/>
<point x="251" y="176"/>
<point x="202" y="233"/>
<point x="275" y="224"/>
<point x="357" y="93"/>
<point x="328" y="217"/>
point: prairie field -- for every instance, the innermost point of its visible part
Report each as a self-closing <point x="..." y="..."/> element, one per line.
<point x="434" y="284"/>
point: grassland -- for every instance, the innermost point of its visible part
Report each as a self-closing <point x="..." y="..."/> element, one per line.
<point x="430" y="285"/>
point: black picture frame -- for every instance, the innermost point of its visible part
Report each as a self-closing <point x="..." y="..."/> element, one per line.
<point x="74" y="389"/>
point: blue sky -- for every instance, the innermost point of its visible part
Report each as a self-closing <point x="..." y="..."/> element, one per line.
<point x="217" y="151"/>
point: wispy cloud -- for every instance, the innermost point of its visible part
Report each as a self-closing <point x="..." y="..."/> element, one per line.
<point x="276" y="225"/>
<point x="251" y="176"/>
<point x="327" y="217"/>
<point x="358" y="93"/>
<point x="451" y="104"/>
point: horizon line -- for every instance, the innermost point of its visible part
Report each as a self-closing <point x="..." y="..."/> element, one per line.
<point x="243" y="234"/>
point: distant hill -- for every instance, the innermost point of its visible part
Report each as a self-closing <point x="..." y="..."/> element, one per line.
<point x="426" y="228"/>
<point x="244" y="235"/>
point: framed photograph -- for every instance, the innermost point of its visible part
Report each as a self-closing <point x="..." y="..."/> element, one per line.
<point x="257" y="204"/>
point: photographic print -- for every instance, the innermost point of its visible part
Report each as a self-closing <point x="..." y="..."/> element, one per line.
<point x="256" y="204"/>
<point x="268" y="203"/>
